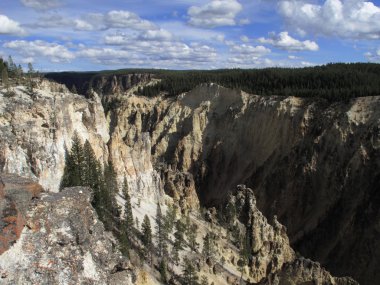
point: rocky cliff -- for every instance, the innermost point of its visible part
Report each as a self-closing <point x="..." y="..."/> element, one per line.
<point x="105" y="84"/>
<point x="313" y="164"/>
<point x="37" y="130"/>
<point x="61" y="240"/>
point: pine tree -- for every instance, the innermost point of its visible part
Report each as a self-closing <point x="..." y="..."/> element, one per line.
<point x="147" y="237"/>
<point x="5" y="78"/>
<point x="74" y="165"/>
<point x="19" y="73"/>
<point x="163" y="268"/>
<point x="12" y="68"/>
<point x="108" y="197"/>
<point x="208" y="249"/>
<point x="74" y="89"/>
<point x="30" y="78"/>
<point x="192" y="237"/>
<point x="92" y="175"/>
<point x="189" y="274"/>
<point x="171" y="217"/>
<point x="128" y="215"/>
<point x="179" y="235"/>
<point x="161" y="232"/>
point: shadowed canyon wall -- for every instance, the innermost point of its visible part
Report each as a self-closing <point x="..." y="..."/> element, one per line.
<point x="313" y="164"/>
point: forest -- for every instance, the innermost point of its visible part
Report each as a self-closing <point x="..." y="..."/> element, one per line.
<point x="334" y="81"/>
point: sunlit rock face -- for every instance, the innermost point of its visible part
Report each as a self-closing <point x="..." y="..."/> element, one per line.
<point x="58" y="239"/>
<point x="35" y="132"/>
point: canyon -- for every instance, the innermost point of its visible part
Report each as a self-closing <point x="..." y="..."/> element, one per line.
<point x="313" y="164"/>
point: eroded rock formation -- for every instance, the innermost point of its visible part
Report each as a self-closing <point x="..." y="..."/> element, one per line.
<point x="62" y="242"/>
<point x="314" y="164"/>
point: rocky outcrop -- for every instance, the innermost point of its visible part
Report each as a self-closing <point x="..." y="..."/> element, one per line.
<point x="63" y="242"/>
<point x="269" y="244"/>
<point x="304" y="271"/>
<point x="16" y="195"/>
<point x="180" y="186"/>
<point x="36" y="131"/>
<point x="273" y="261"/>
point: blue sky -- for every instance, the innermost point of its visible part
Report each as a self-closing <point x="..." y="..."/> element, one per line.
<point x="82" y="35"/>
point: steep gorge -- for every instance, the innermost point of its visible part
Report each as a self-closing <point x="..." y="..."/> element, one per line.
<point x="313" y="164"/>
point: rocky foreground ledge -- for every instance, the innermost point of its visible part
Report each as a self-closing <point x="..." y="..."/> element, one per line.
<point x="54" y="238"/>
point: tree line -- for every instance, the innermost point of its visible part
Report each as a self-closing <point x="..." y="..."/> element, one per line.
<point x="334" y="82"/>
<point x="13" y="74"/>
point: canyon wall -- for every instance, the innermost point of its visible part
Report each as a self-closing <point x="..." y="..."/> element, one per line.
<point x="312" y="163"/>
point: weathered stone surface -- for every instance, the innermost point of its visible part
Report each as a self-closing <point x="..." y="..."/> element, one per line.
<point x="180" y="186"/>
<point x="35" y="132"/>
<point x="63" y="242"/>
<point x="16" y="195"/>
<point x="304" y="271"/>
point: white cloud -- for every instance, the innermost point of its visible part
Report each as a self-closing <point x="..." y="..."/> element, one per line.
<point x="214" y="14"/>
<point x="156" y="35"/>
<point x="54" y="52"/>
<point x="373" y="56"/>
<point x="81" y="25"/>
<point x="150" y="52"/>
<point x="97" y="22"/>
<point x="244" y="39"/>
<point x="183" y="31"/>
<point x="286" y="42"/>
<point x="126" y="19"/>
<point x="357" y="19"/>
<point x="255" y="51"/>
<point x="8" y="26"/>
<point x="41" y="4"/>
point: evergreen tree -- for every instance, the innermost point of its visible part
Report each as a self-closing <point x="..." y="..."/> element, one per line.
<point x="5" y="78"/>
<point x="208" y="249"/>
<point x="128" y="215"/>
<point x="30" y="78"/>
<point x="74" y="164"/>
<point x="171" y="217"/>
<point x="12" y="68"/>
<point x="108" y="197"/>
<point x="92" y="175"/>
<point x="179" y="235"/>
<point x="163" y="268"/>
<point x="192" y="237"/>
<point x="189" y="274"/>
<point x="161" y="232"/>
<point x="74" y="89"/>
<point x="19" y="73"/>
<point x="146" y="237"/>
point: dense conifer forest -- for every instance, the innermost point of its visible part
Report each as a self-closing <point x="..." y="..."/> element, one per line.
<point x="334" y="82"/>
